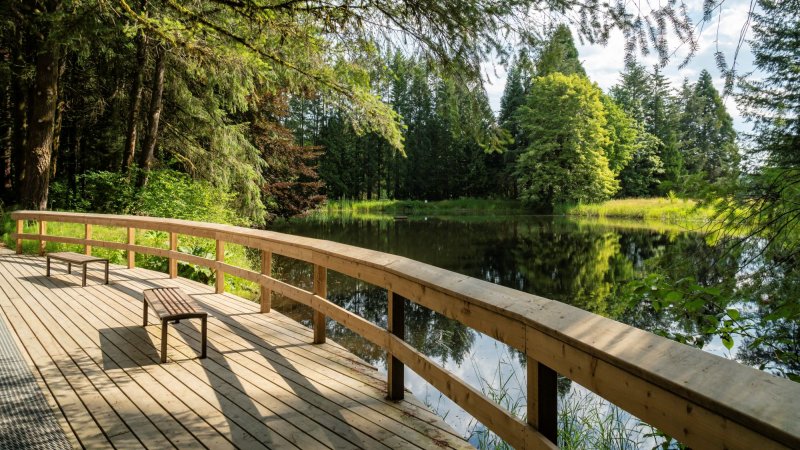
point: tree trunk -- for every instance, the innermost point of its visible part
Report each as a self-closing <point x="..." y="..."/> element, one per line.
<point x="148" y="150"/>
<point x="137" y="83"/>
<point x="41" y="123"/>
<point x="18" y="92"/>
<point x="59" y="118"/>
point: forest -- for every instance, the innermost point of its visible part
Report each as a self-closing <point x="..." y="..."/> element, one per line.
<point x="106" y="105"/>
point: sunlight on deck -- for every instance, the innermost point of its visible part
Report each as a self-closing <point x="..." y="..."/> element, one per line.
<point x="263" y="384"/>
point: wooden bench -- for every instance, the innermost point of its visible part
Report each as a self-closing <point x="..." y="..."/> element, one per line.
<point x="75" y="258"/>
<point x="172" y="304"/>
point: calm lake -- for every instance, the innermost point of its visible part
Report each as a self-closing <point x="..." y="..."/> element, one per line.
<point x="577" y="262"/>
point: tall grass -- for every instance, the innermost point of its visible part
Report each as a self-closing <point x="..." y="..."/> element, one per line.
<point x="585" y="420"/>
<point x="669" y="210"/>
<point x="234" y="254"/>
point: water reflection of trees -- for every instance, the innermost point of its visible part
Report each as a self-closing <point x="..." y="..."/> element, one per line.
<point x="430" y="332"/>
<point x="584" y="265"/>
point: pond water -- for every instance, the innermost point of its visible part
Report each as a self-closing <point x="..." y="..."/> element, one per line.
<point x="576" y="262"/>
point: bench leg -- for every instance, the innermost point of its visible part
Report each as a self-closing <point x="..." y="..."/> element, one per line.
<point x="204" y="336"/>
<point x="84" y="274"/>
<point x="163" y="341"/>
<point x="106" y="272"/>
<point x="144" y="319"/>
<point x="48" y="266"/>
<point x="69" y="267"/>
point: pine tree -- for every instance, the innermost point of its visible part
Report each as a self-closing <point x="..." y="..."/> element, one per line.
<point x="633" y="94"/>
<point x="663" y="114"/>
<point x="560" y="55"/>
<point x="708" y="140"/>
<point x="514" y="93"/>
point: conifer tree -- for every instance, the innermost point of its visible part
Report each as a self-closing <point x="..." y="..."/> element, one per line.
<point x="559" y="55"/>
<point x="708" y="140"/>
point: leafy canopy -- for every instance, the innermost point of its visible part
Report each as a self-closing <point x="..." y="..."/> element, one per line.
<point x="572" y="152"/>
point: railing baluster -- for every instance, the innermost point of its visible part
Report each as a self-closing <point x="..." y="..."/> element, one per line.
<point x="131" y="253"/>
<point x="320" y="289"/>
<point x="42" y="234"/>
<point x="87" y="234"/>
<point x="543" y="399"/>
<point x="20" y="229"/>
<point x="266" y="269"/>
<point x="173" y="246"/>
<point x="396" y="326"/>
<point x="220" y="284"/>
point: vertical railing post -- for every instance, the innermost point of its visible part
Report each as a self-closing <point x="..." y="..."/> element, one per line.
<point x="396" y="326"/>
<point x="87" y="234"/>
<point x="20" y="229"/>
<point x="173" y="247"/>
<point x="220" y="285"/>
<point x="42" y="234"/>
<point x="543" y="399"/>
<point x="321" y="290"/>
<point x="131" y="253"/>
<point x="266" y="269"/>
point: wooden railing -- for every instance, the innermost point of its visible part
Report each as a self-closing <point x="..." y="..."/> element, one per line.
<point x="702" y="400"/>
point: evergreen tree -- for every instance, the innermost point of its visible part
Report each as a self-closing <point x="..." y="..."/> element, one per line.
<point x="708" y="140"/>
<point x="633" y="94"/>
<point x="514" y="92"/>
<point x="559" y="55"/>
<point x="663" y="113"/>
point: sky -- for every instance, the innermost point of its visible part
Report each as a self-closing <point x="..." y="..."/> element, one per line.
<point x="603" y="64"/>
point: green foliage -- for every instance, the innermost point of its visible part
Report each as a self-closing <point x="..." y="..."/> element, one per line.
<point x="559" y="55"/>
<point x="446" y="124"/>
<point x="667" y="210"/>
<point x="707" y="138"/>
<point x="569" y="143"/>
<point x="168" y="194"/>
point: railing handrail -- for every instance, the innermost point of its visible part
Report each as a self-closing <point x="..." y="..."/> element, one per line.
<point x="700" y="399"/>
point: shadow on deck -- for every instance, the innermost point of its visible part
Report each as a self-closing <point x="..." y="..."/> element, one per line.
<point x="263" y="384"/>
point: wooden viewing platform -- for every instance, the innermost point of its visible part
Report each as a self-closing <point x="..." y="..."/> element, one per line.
<point x="263" y="385"/>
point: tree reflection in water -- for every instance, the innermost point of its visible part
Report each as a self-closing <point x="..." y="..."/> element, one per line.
<point x="581" y="263"/>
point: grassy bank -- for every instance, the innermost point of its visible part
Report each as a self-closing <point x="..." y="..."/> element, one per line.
<point x="665" y="210"/>
<point x="235" y="254"/>
<point x="416" y="207"/>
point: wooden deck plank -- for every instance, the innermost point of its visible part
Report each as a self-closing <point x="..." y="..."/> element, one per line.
<point x="58" y="413"/>
<point x="153" y="416"/>
<point x="84" y="424"/>
<point x="318" y="370"/>
<point x="263" y="385"/>
<point x="358" y="382"/>
<point x="317" y="395"/>
<point x="189" y="408"/>
<point x="224" y="373"/>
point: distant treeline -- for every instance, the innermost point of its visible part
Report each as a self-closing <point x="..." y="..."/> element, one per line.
<point x="558" y="137"/>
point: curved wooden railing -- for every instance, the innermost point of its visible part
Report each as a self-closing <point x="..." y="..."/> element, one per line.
<point x="702" y="400"/>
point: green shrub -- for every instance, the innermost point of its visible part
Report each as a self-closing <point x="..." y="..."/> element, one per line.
<point x="168" y="194"/>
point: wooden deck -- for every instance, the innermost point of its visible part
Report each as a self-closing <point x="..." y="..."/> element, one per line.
<point x="263" y="385"/>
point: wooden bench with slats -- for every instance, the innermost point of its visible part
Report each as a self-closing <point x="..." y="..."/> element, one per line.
<point x="75" y="258"/>
<point x="172" y="304"/>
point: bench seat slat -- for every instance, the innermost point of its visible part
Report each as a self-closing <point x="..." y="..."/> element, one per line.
<point x="169" y="303"/>
<point x="73" y="257"/>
